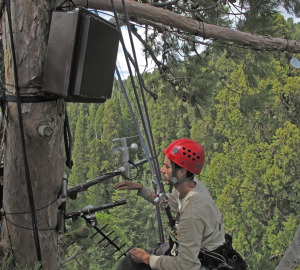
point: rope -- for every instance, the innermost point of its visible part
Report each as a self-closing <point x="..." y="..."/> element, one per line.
<point x="161" y="237"/>
<point x="145" y="122"/>
<point x="28" y="180"/>
<point x="158" y="216"/>
<point x="142" y="92"/>
<point x="134" y="86"/>
<point x="146" y="125"/>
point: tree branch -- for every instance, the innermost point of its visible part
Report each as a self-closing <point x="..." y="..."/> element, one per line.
<point x="165" y="4"/>
<point x="73" y="256"/>
<point x="198" y="9"/>
<point x="207" y="31"/>
<point x="72" y="237"/>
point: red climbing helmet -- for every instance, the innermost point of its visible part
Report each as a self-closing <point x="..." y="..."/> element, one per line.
<point x="186" y="153"/>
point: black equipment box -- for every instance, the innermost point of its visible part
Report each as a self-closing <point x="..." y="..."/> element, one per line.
<point x="81" y="56"/>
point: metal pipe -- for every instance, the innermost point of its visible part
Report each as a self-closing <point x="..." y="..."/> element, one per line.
<point x="93" y="209"/>
<point x="72" y="192"/>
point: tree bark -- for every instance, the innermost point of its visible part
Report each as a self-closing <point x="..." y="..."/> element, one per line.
<point x="291" y="259"/>
<point x="30" y="24"/>
<point x="201" y="29"/>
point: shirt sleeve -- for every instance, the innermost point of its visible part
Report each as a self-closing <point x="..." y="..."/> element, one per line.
<point x="147" y="193"/>
<point x="190" y="231"/>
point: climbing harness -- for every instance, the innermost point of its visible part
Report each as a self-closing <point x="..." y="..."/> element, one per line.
<point x="224" y="257"/>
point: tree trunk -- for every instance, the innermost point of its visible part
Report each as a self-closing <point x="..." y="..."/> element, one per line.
<point x="43" y="129"/>
<point x="291" y="259"/>
<point x="209" y="31"/>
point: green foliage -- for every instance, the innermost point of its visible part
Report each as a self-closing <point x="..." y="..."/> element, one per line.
<point x="243" y="107"/>
<point x="7" y="264"/>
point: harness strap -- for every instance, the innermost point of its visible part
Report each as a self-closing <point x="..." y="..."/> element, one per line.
<point x="224" y="257"/>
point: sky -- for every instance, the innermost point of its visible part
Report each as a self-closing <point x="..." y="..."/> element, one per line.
<point x="121" y="61"/>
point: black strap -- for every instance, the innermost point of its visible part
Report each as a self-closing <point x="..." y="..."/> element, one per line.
<point x="68" y="141"/>
<point x="29" y="99"/>
<point x="214" y="259"/>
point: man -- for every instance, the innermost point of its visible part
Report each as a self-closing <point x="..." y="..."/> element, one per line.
<point x="199" y="222"/>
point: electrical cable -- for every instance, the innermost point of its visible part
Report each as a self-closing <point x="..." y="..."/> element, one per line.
<point x="26" y="228"/>
<point x="68" y="142"/>
<point x="10" y="242"/>
<point x="26" y="166"/>
<point x="137" y="169"/>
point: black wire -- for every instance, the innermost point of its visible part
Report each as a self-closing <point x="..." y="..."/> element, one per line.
<point x="68" y="142"/>
<point x="29" y="229"/>
<point x="137" y="170"/>
<point x="10" y="243"/>
<point x="2" y="101"/>
<point x="60" y="7"/>
<point x="26" y="167"/>
<point x="27" y="212"/>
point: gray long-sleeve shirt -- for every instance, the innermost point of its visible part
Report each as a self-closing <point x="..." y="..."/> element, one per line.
<point x="200" y="227"/>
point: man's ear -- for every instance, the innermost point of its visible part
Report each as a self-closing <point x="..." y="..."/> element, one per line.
<point x="182" y="173"/>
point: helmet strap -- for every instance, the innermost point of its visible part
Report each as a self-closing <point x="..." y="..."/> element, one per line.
<point x="174" y="180"/>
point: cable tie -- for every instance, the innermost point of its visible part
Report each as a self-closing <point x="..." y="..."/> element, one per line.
<point x="287" y="45"/>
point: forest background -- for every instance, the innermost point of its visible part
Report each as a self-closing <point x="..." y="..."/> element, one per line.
<point x="243" y="106"/>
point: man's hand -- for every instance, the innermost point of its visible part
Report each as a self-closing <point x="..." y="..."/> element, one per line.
<point x="128" y="185"/>
<point x="139" y="255"/>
